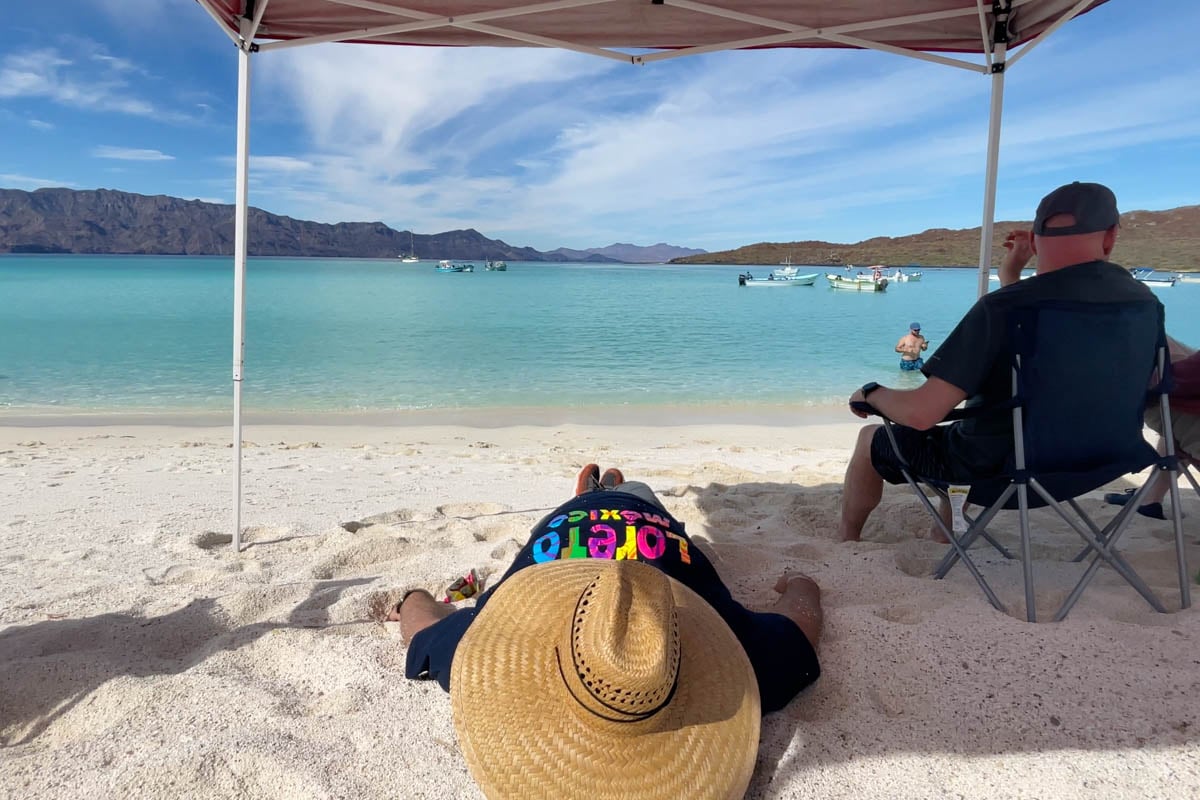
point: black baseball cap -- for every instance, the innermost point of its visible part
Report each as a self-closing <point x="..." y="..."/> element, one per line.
<point x="1093" y="205"/>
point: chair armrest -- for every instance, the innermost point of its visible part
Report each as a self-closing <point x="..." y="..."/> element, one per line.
<point x="955" y="413"/>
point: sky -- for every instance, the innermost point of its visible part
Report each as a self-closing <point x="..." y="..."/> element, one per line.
<point x="547" y="149"/>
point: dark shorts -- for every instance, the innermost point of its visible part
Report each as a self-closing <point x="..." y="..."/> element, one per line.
<point x="911" y="366"/>
<point x="926" y="452"/>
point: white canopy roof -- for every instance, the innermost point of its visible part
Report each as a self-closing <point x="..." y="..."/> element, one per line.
<point x="590" y="25"/>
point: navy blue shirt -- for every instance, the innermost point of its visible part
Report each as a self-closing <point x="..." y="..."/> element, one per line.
<point x="617" y="525"/>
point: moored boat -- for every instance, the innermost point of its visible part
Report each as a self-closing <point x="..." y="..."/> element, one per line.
<point x="1157" y="280"/>
<point x="775" y="280"/>
<point x="860" y="283"/>
<point x="496" y="266"/>
<point x="449" y="266"/>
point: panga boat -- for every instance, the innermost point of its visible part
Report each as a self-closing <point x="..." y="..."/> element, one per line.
<point x="496" y="266"/>
<point x="448" y="266"/>
<point x="1158" y="280"/>
<point x="784" y="276"/>
<point x="859" y="283"/>
<point x="903" y="277"/>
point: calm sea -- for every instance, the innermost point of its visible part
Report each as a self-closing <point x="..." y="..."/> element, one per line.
<point x="153" y="334"/>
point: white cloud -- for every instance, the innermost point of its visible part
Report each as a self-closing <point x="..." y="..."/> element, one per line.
<point x="41" y="125"/>
<point x="279" y="164"/>
<point x="130" y="154"/>
<point x="25" y="181"/>
<point x="46" y="74"/>
<point x="549" y="148"/>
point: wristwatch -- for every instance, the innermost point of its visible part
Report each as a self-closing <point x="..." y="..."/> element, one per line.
<point x="867" y="388"/>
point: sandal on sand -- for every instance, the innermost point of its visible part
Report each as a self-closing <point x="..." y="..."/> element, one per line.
<point x="1119" y="498"/>
<point x="612" y="478"/>
<point x="461" y="589"/>
<point x="588" y="480"/>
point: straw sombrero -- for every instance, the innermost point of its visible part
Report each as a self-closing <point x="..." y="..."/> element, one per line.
<point x="603" y="679"/>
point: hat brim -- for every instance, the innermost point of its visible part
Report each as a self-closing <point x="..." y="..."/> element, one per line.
<point x="524" y="736"/>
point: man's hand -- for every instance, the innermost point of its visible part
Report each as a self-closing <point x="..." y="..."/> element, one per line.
<point x="1019" y="247"/>
<point x="857" y="397"/>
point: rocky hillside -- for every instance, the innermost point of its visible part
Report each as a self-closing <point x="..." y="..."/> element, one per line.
<point x="1166" y="240"/>
<point x="107" y="221"/>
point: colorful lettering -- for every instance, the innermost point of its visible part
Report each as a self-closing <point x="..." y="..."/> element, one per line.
<point x="683" y="547"/>
<point x="603" y="542"/>
<point x="612" y="514"/>
<point x="651" y="542"/>
<point x="577" y="516"/>
<point x="657" y="520"/>
<point x="631" y="516"/>
<point x="575" y="550"/>
<point x="628" y="551"/>
<point x="559" y="520"/>
<point x="546" y="547"/>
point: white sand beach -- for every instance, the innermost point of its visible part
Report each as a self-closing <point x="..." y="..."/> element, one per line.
<point x="140" y="657"/>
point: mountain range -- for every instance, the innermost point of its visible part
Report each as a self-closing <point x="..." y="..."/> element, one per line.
<point x="114" y="222"/>
<point x="1167" y="240"/>
<point x="106" y="221"/>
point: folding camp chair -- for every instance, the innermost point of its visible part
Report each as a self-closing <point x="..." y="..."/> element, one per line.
<point x="1080" y="372"/>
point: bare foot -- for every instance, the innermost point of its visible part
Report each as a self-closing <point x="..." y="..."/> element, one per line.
<point x="800" y="601"/>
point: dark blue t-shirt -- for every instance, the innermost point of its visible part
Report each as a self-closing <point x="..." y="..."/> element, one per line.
<point x="617" y="525"/>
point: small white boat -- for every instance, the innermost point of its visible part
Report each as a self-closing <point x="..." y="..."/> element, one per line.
<point x="449" y="266"/>
<point x="859" y="283"/>
<point x="1183" y="278"/>
<point x="495" y="266"/>
<point x="1156" y="280"/>
<point x="777" y="280"/>
<point x="903" y="277"/>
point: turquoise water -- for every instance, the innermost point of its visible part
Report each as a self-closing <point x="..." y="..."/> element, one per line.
<point x="109" y="333"/>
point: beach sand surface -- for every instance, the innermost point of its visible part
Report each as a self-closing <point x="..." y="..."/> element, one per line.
<point x="141" y="657"/>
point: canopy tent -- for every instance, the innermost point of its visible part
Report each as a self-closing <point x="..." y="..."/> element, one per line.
<point x="638" y="32"/>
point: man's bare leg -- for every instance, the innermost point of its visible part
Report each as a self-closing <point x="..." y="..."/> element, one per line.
<point x="935" y="533"/>
<point x="800" y="601"/>
<point x="862" y="490"/>
<point x="417" y="612"/>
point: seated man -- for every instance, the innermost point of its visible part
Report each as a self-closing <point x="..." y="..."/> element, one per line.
<point x="612" y="640"/>
<point x="1073" y="235"/>
<point x="1185" y="425"/>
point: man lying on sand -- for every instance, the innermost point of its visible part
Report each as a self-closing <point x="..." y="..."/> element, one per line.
<point x="611" y="655"/>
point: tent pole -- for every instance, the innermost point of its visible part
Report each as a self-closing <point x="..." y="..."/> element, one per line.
<point x="241" y="217"/>
<point x="999" y="52"/>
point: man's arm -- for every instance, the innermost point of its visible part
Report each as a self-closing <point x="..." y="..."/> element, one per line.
<point x="1018" y="250"/>
<point x="919" y="408"/>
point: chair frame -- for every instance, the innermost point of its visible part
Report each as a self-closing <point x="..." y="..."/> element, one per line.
<point x="1098" y="541"/>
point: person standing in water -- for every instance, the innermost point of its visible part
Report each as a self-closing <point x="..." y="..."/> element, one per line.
<point x="910" y="347"/>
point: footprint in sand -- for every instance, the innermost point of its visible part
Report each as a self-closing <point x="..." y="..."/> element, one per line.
<point x="352" y="560"/>
<point x="471" y="509"/>
<point x="210" y="539"/>
<point x="903" y="615"/>
<point x="804" y="552"/>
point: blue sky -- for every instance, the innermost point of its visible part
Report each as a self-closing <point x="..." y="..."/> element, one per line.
<point x="547" y="148"/>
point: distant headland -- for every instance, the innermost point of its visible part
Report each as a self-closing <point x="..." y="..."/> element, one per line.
<point x="1167" y="240"/>
<point x="107" y="221"/>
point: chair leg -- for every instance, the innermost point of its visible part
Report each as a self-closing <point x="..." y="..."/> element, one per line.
<point x="957" y="545"/>
<point x="1026" y="552"/>
<point x="978" y="528"/>
<point x="1103" y="550"/>
<point x="1185" y="580"/>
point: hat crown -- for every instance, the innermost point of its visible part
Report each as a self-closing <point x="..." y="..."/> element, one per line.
<point x="624" y="644"/>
